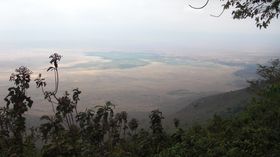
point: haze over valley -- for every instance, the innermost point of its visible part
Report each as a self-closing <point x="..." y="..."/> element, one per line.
<point x="134" y="81"/>
<point x="139" y="78"/>
<point x="143" y="55"/>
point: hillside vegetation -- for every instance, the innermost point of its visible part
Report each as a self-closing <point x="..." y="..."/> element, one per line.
<point x="100" y="132"/>
<point x="224" y="104"/>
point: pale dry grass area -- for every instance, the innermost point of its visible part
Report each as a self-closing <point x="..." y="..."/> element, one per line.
<point x="137" y="89"/>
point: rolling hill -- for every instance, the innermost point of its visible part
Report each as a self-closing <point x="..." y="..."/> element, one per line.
<point x="224" y="104"/>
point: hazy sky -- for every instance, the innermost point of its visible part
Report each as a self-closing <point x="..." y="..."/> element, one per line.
<point x="129" y="25"/>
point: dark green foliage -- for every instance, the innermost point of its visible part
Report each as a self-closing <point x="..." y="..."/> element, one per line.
<point x="12" y="121"/>
<point x="100" y="132"/>
<point x="156" y="125"/>
<point x="133" y="124"/>
<point x="262" y="11"/>
<point x="269" y="74"/>
<point x="254" y="132"/>
<point x="176" y="122"/>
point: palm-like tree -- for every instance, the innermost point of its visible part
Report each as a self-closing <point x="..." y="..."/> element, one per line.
<point x="155" y="121"/>
<point x="105" y="113"/>
<point x="133" y="125"/>
<point x="124" y="122"/>
<point x="176" y="122"/>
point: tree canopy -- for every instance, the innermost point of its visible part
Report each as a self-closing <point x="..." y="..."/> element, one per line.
<point x="100" y="132"/>
<point x="262" y="11"/>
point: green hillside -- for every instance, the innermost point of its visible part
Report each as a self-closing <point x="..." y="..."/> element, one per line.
<point x="223" y="104"/>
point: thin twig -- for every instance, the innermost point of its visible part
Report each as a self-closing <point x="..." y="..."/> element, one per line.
<point x="201" y="6"/>
<point x="219" y="14"/>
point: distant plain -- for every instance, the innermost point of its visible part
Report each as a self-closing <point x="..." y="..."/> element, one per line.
<point x="136" y="82"/>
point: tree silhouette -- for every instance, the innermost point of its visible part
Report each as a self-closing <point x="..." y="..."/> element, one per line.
<point x="133" y="125"/>
<point x="176" y="122"/>
<point x="12" y="120"/>
<point x="98" y="132"/>
<point x="53" y="129"/>
<point x="263" y="11"/>
<point x="156" y="124"/>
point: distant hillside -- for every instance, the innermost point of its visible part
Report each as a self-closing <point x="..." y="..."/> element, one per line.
<point x="221" y="104"/>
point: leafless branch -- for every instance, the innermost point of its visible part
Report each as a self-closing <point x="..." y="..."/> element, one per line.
<point x="201" y="6"/>
<point x="219" y="14"/>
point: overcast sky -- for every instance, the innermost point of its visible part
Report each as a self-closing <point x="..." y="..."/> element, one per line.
<point x="168" y="26"/>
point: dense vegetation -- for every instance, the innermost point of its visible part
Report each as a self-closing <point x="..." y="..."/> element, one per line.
<point x="100" y="132"/>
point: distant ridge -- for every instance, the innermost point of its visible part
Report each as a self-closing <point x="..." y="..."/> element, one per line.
<point x="224" y="104"/>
